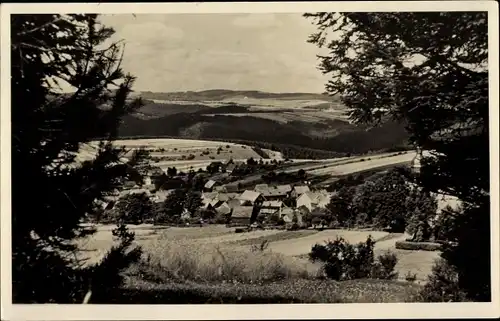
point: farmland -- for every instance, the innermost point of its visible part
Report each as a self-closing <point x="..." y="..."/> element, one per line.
<point x="184" y="153"/>
<point x="163" y="243"/>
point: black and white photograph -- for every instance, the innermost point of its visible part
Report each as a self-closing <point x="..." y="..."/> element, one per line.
<point x="201" y="155"/>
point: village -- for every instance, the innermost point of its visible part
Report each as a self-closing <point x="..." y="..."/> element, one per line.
<point x="226" y="196"/>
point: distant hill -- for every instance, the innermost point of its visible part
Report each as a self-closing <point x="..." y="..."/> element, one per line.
<point x="298" y="124"/>
<point x="223" y="94"/>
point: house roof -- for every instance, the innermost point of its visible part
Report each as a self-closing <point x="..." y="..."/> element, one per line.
<point x="233" y="203"/>
<point x="274" y="191"/>
<point x="231" y="187"/>
<point x="160" y="196"/>
<point x="220" y="189"/>
<point x="261" y="187"/>
<point x="242" y="212"/>
<point x="301" y="189"/>
<point x="210" y="184"/>
<point x="287" y="211"/>
<point x="249" y="196"/>
<point x="287" y="188"/>
<point x="137" y="191"/>
<point x="224" y="209"/>
<point x="272" y="204"/>
<point x="268" y="211"/>
<point x="209" y="196"/>
<point x="224" y="197"/>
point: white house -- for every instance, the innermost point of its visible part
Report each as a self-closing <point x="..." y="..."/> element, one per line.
<point x="312" y="200"/>
<point x="250" y="197"/>
<point x="298" y="190"/>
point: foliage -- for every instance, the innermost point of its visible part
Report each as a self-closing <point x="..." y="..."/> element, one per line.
<point x="418" y="246"/>
<point x="172" y="207"/>
<point x="443" y="285"/>
<point x="340" y="207"/>
<point x="344" y="261"/>
<point x="48" y="129"/>
<point x="384" y="266"/>
<point x="423" y="207"/>
<point x="171" y="171"/>
<point x="383" y="200"/>
<point x="193" y="202"/>
<point x="434" y="79"/>
<point x="118" y="258"/>
<point x="133" y="208"/>
<point x="445" y="225"/>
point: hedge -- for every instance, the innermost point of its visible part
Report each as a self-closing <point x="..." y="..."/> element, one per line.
<point x="418" y="246"/>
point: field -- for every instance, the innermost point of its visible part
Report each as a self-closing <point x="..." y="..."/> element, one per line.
<point x="189" y="251"/>
<point x="184" y="153"/>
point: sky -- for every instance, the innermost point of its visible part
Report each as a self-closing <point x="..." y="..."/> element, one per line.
<point x="181" y="52"/>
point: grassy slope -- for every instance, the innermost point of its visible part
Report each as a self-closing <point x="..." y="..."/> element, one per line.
<point x="138" y="291"/>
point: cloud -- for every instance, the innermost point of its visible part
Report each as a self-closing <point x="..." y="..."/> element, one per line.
<point x="150" y="33"/>
<point x="262" y="20"/>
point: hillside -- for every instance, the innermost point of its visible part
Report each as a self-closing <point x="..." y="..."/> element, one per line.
<point x="312" y="121"/>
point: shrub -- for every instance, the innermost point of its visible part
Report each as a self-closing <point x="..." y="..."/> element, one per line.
<point x="410" y="277"/>
<point x="384" y="267"/>
<point x="443" y="285"/>
<point x="418" y="246"/>
<point x="344" y="261"/>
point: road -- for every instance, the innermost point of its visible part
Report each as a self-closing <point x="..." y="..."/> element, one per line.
<point x="342" y="166"/>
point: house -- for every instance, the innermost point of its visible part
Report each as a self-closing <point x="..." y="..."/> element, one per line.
<point x="261" y="187"/>
<point x="220" y="189"/>
<point x="224" y="209"/>
<point x="129" y="185"/>
<point x="161" y="196"/>
<point x="148" y="180"/>
<point x="137" y="191"/>
<point x="230" y="168"/>
<point x="251" y="198"/>
<point x="242" y="215"/>
<point x="313" y="199"/>
<point x="224" y="197"/>
<point x="271" y="207"/>
<point x="209" y="199"/>
<point x="210" y="185"/>
<point x="298" y="190"/>
<point x="287" y="214"/>
<point x="275" y="193"/>
<point x="232" y="188"/>
<point x="233" y="203"/>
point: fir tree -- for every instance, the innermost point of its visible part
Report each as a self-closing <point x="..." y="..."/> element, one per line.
<point x="51" y="52"/>
<point x="428" y="70"/>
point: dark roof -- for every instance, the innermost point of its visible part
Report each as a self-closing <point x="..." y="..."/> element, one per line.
<point x="274" y="191"/>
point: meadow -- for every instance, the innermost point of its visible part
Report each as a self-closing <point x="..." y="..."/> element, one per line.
<point x="215" y="254"/>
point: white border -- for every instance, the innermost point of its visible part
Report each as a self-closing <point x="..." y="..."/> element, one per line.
<point x="270" y="311"/>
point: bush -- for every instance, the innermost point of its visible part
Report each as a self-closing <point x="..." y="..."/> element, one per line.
<point x="384" y="267"/>
<point x="344" y="261"/>
<point x="410" y="277"/>
<point x="443" y="285"/>
<point x="418" y="246"/>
